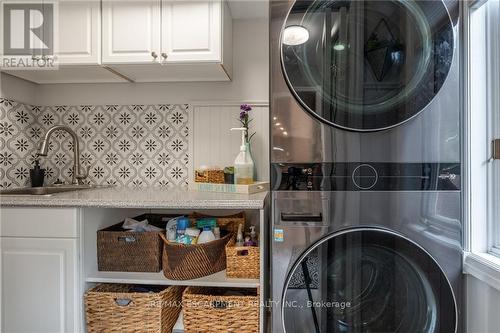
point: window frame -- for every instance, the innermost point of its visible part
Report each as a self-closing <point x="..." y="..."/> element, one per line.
<point x="482" y="173"/>
<point x="494" y="119"/>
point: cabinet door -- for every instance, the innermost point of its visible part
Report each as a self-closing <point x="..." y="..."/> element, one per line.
<point x="39" y="285"/>
<point x="130" y="31"/>
<point x="191" y="31"/>
<point x="79" y="32"/>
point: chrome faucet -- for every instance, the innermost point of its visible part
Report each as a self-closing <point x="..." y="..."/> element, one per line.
<point x="78" y="176"/>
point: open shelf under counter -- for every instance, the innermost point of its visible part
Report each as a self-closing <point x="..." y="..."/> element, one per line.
<point x="218" y="279"/>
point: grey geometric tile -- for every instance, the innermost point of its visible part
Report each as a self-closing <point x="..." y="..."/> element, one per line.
<point x="124" y="145"/>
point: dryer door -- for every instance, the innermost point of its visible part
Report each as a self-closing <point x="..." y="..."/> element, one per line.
<point x="366" y="65"/>
<point x="367" y="280"/>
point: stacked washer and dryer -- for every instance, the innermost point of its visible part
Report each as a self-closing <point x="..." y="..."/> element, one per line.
<point x="365" y="166"/>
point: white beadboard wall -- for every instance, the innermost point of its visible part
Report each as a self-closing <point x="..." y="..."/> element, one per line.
<point x="213" y="144"/>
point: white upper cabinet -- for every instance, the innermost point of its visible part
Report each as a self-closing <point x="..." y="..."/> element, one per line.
<point x="130" y="31"/>
<point x="79" y="32"/>
<point x="191" y="31"/>
<point x="191" y="38"/>
<point x="77" y="47"/>
<point x="139" y="41"/>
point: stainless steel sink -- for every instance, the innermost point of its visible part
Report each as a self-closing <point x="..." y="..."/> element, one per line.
<point x="46" y="190"/>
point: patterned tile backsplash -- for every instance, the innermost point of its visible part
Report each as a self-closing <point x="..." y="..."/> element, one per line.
<point x="123" y="145"/>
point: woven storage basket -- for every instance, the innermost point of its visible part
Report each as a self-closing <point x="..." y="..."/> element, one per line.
<point x="243" y="262"/>
<point x="114" y="308"/>
<point x="209" y="176"/>
<point x="207" y="310"/>
<point x="229" y="222"/>
<point x="125" y="251"/>
<point x="201" y="176"/>
<point x="185" y="262"/>
<point x="216" y="176"/>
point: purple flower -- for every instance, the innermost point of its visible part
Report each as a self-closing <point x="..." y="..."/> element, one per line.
<point x="245" y="107"/>
<point x="245" y="120"/>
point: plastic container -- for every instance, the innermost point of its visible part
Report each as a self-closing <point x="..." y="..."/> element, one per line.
<point x="206" y="221"/>
<point x="239" y="236"/>
<point x="37" y="175"/>
<point x="206" y="236"/>
<point x="193" y="234"/>
<point x="217" y="232"/>
<point x="182" y="225"/>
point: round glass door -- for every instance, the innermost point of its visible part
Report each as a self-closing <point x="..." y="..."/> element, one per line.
<point x="371" y="65"/>
<point x="367" y="280"/>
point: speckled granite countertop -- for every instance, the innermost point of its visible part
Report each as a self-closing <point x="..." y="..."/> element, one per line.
<point x="150" y="198"/>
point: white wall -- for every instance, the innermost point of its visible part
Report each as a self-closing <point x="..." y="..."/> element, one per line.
<point x="215" y="145"/>
<point x="17" y="89"/>
<point x="250" y="79"/>
<point x="483" y="304"/>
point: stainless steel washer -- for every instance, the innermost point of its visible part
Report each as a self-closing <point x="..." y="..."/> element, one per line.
<point x="378" y="260"/>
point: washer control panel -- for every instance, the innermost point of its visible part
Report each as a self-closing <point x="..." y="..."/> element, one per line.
<point x="352" y="176"/>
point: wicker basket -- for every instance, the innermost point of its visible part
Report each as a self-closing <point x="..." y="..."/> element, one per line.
<point x="116" y="308"/>
<point x="125" y="251"/>
<point x="207" y="310"/>
<point x="201" y="176"/>
<point x="185" y="262"/>
<point x="243" y="262"/>
<point x="229" y="222"/>
<point x="215" y="176"/>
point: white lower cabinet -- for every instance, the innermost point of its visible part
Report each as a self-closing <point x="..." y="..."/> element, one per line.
<point x="39" y="276"/>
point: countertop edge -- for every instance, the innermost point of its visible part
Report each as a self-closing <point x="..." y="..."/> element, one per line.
<point x="144" y="205"/>
<point x="138" y="198"/>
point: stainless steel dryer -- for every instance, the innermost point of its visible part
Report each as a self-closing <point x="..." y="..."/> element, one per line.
<point x="365" y="166"/>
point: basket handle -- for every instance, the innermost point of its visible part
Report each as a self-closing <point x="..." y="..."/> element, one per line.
<point x="242" y="253"/>
<point x="219" y="305"/>
<point x="127" y="239"/>
<point x="122" y="301"/>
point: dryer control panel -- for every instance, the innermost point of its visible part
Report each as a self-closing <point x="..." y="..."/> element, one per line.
<point x="360" y="176"/>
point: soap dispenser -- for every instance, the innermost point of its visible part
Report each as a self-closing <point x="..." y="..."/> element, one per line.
<point x="37" y="175"/>
<point x="243" y="164"/>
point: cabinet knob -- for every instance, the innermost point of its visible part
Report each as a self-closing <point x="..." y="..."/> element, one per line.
<point x="164" y="56"/>
<point x="154" y="55"/>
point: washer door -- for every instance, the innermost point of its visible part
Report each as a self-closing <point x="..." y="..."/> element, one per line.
<point x="366" y="65"/>
<point x="367" y="280"/>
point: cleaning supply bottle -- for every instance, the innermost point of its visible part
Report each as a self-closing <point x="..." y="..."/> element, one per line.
<point x="243" y="164"/>
<point x="253" y="235"/>
<point x="217" y="232"/>
<point x="239" y="236"/>
<point x="206" y="236"/>
<point x="182" y="225"/>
